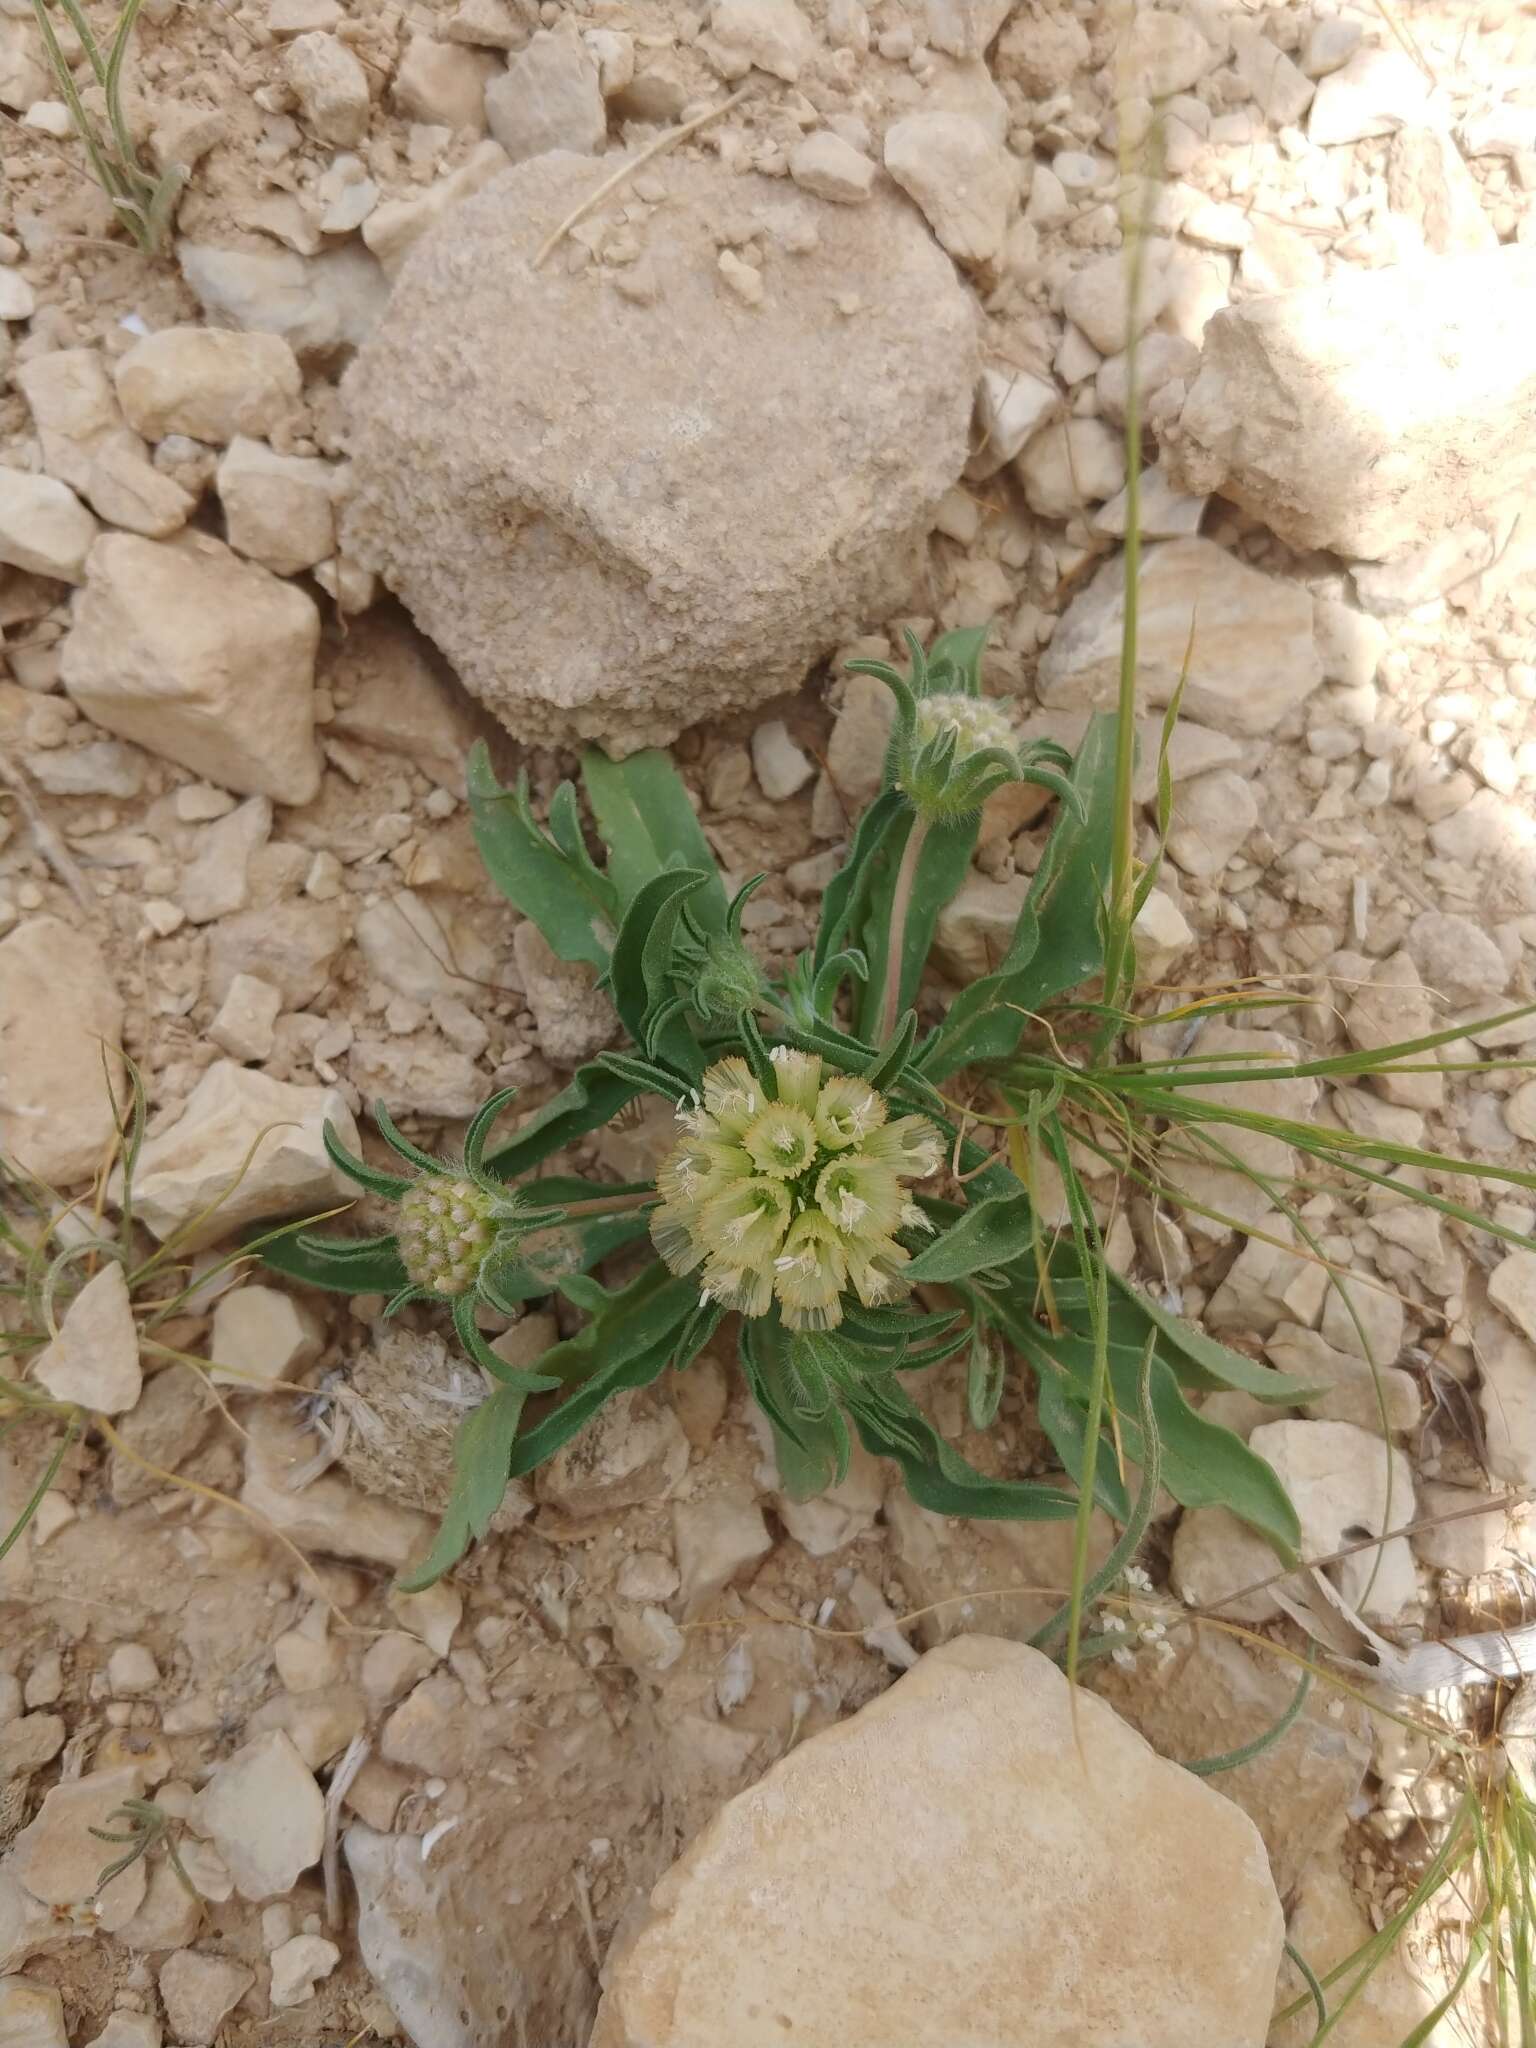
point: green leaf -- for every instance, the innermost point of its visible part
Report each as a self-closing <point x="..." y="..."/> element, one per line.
<point x="622" y="1369"/>
<point x="936" y="1475"/>
<point x="1058" y="942"/>
<point x="988" y="1234"/>
<point x="1199" y="1360"/>
<point x="593" y="1096"/>
<point x="482" y="1466"/>
<point x="942" y="865"/>
<point x="954" y="662"/>
<point x="809" y="1450"/>
<point x="572" y="904"/>
<point x="842" y="905"/>
<point x="345" y="1265"/>
<point x="645" y="962"/>
<point x="648" y="825"/>
<point x="1065" y="1423"/>
<point x="584" y="1242"/>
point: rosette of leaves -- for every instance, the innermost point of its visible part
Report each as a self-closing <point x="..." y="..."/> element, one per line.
<point x="958" y="1262"/>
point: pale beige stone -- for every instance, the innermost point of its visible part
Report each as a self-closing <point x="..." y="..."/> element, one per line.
<point x="960" y="176"/>
<point x="960" y="1862"/>
<point x="43" y="526"/>
<point x="61" y="1022"/>
<point x="208" y="382"/>
<point x="238" y="1118"/>
<point x="279" y="510"/>
<point x="58" y="1860"/>
<point x="198" y="1990"/>
<point x="262" y="1335"/>
<point x="94" y="1360"/>
<point x="263" y="1812"/>
<point x="327" y="1514"/>
<point x="202" y="658"/>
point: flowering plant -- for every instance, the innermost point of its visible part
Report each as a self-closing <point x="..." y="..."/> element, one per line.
<point x="822" y="1189"/>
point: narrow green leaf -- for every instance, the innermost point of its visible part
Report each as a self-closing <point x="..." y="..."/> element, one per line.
<point x="344" y="1265"/>
<point x="842" y="905"/>
<point x="482" y="1462"/>
<point x="648" y="825"/>
<point x="593" y="1096"/>
<point x="936" y="1475"/>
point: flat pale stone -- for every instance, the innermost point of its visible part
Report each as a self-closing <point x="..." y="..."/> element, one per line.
<point x="1254" y="657"/>
<point x="207" y="382"/>
<point x="94" y="1360"/>
<point x="263" y="1812"/>
<point x="948" y="1867"/>
<point x="58" y="1860"/>
<point x="59" y="1010"/>
<point x="236" y="1117"/>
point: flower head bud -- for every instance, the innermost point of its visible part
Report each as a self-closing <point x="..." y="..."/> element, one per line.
<point x="793" y="1199"/>
<point x="977" y="722"/>
<point x="447" y="1229"/>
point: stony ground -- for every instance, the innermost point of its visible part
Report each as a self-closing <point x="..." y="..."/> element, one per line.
<point x="232" y="842"/>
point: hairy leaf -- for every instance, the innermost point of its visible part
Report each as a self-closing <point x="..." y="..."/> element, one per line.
<point x="572" y="904"/>
<point x="482" y="1462"/>
<point x="593" y="1096"/>
<point x="344" y="1265"/>
<point x="648" y="825"/>
<point x="988" y="1233"/>
<point x="936" y="1475"/>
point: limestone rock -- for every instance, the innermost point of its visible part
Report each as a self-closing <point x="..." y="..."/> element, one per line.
<point x="44" y="528"/>
<point x="959" y="1807"/>
<point x="261" y="1335"/>
<point x="1378" y="91"/>
<point x="964" y="28"/>
<point x="331" y="87"/>
<point x="1011" y="406"/>
<point x="1455" y="958"/>
<point x="124" y="486"/>
<point x="327" y="1514"/>
<point x="1507" y="1397"/>
<point x="236" y="1117"/>
<point x="717" y="1539"/>
<point x="829" y="166"/>
<point x="126" y="2029"/>
<point x="208" y="383"/>
<point x="94" y="1360"/>
<point x="58" y="1860"/>
<point x="1070" y="466"/>
<point x="1429" y="184"/>
<point x="493" y="528"/>
<point x="1216" y="1696"/>
<point x="315" y="303"/>
<point x="202" y="658"/>
<point x="773" y="35"/>
<point x="1212" y="816"/>
<point x="198" y="1990"/>
<point x="31" y="2015"/>
<point x="391" y="691"/>
<point x="961" y="177"/>
<point x="1328" y="1926"/>
<point x="1236" y="1198"/>
<point x="1350" y="1385"/>
<point x="73" y="408"/>
<point x="58" y="1009"/>
<point x="1512" y="1289"/>
<point x="1165" y="52"/>
<point x="278" y="509"/>
<point x="298" y="1965"/>
<point x="548" y="98"/>
<point x="1369" y="414"/>
<point x="263" y="1812"/>
<point x="632" y="1451"/>
<point x="1392" y="1007"/>
<point x="444" y="83"/>
<point x="1254" y="658"/>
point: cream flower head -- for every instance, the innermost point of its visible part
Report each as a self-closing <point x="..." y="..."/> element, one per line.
<point x="795" y="1197"/>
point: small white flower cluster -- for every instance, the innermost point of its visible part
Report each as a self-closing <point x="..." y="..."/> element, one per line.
<point x="795" y="1196"/>
<point x="978" y="722"/>
<point x="1148" y="1634"/>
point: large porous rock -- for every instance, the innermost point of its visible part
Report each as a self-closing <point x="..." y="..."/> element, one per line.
<point x="626" y="495"/>
<point x="955" y="1864"/>
<point x="1246" y="640"/>
<point x="1369" y="414"/>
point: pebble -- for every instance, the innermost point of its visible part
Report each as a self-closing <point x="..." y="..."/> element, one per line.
<point x="59" y="1860"/>
<point x="94" y="1360"/>
<point x="262" y="1335"/>
<point x="1375" y="92"/>
<point x="1011" y="406"/>
<point x="1212" y="816"/>
<point x="832" y="169"/>
<point x="278" y="509"/>
<point x="18" y="301"/>
<point x="263" y="1812"/>
<point x="444" y="83"/>
<point x="1391" y="1007"/>
<point x="331" y="87"/>
<point x="31" y="2015"/>
<point x="781" y="767"/>
<point x="961" y="178"/>
<point x="1512" y="1289"/>
<point x="299" y="1965"/>
<point x="1071" y="465"/>
<point x="244" y="1024"/>
<point x="44" y="528"/>
<point x="770" y="35"/>
<point x="132" y="1671"/>
<point x="1096" y="300"/>
<point x="716" y="1540"/>
<point x="198" y="1990"/>
<point x="207" y="383"/>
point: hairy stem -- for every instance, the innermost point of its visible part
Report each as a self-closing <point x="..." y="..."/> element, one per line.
<point x="610" y="1205"/>
<point x="901" y="903"/>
